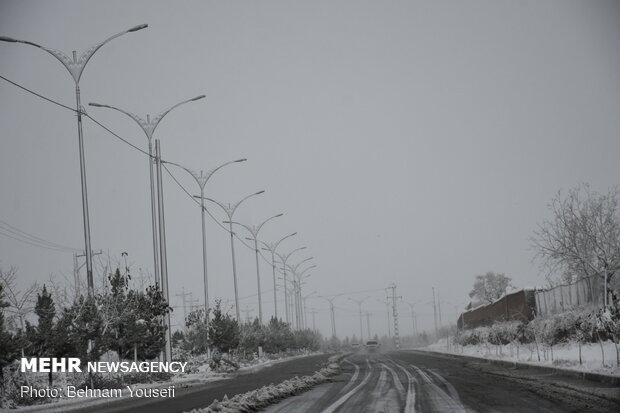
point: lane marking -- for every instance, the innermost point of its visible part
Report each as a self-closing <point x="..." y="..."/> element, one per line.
<point x="346" y="397"/>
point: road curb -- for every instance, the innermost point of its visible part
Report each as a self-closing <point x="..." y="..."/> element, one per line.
<point x="584" y="375"/>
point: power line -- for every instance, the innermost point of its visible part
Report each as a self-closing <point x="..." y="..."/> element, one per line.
<point x="211" y="215"/>
<point x="32" y="243"/>
<point x="28" y="90"/>
<point x="38" y="94"/>
<point x="115" y="134"/>
<point x="27" y="238"/>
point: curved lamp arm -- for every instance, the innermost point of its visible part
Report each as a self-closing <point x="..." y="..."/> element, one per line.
<point x="202" y="179"/>
<point x="224" y="207"/>
<point x="285" y="257"/>
<point x="294" y="268"/>
<point x="283" y="238"/>
<point x="265" y="221"/>
<point x="75" y="66"/>
<point x="306" y="269"/>
<point x="234" y="208"/>
<point x="149" y="125"/>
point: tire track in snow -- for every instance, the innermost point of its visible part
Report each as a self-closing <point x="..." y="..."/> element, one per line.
<point x="353" y="378"/>
<point x="440" y="400"/>
<point x="411" y="381"/>
<point x="397" y="383"/>
<point x="332" y="408"/>
<point x="451" y="389"/>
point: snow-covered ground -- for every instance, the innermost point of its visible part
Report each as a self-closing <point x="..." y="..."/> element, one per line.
<point x="564" y="356"/>
<point x="266" y="395"/>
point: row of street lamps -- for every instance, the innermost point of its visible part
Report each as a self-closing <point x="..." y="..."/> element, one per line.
<point x="76" y="66"/>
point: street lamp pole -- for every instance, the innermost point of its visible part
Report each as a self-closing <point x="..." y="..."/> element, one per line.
<point x="284" y="258"/>
<point x="253" y="230"/>
<point x="297" y="277"/>
<point x="148" y="126"/>
<point x="202" y="179"/>
<point x="76" y="66"/>
<point x="272" y="248"/>
<point x="331" y="305"/>
<point x="230" y="211"/>
<point x="304" y="318"/>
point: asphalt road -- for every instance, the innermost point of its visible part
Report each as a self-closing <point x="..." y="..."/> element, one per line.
<point x="409" y="381"/>
<point x="203" y="395"/>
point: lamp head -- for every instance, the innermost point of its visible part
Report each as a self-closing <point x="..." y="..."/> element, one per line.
<point x="138" y="27"/>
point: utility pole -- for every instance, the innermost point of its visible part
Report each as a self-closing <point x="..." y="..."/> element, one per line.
<point x="439" y="309"/>
<point x="183" y="295"/>
<point x="247" y="312"/>
<point x="368" y="325"/>
<point x="359" y="305"/>
<point x="76" y="269"/>
<point x="435" y="314"/>
<point x="395" y="316"/>
<point x="387" y="307"/>
<point x="162" y="246"/>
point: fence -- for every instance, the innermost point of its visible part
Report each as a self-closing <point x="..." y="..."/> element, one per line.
<point x="565" y="297"/>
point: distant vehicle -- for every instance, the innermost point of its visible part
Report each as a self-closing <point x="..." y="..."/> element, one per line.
<point x="372" y="345"/>
<point x="355" y="346"/>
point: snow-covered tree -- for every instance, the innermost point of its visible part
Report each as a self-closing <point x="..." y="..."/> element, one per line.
<point x="19" y="303"/>
<point x="490" y="286"/>
<point x="582" y="239"/>
<point x="132" y="320"/>
<point x="223" y="330"/>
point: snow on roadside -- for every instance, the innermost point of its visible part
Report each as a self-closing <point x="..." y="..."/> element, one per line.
<point x="200" y="375"/>
<point x="565" y="356"/>
<point x="266" y="395"/>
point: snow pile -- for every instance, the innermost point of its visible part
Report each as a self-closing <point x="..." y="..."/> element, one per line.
<point x="267" y="395"/>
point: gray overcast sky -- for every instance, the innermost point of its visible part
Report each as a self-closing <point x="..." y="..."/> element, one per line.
<point x="409" y="142"/>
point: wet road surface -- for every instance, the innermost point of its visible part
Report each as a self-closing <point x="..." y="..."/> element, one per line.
<point x="409" y="381"/>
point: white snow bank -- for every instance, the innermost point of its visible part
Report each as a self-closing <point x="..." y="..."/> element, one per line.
<point x="595" y="358"/>
<point x="266" y="395"/>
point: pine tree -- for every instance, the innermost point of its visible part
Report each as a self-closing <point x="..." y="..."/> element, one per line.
<point x="223" y="330"/>
<point x="132" y="320"/>
<point x="43" y="339"/>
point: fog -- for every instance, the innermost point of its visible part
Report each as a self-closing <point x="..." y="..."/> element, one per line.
<point x="414" y="143"/>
